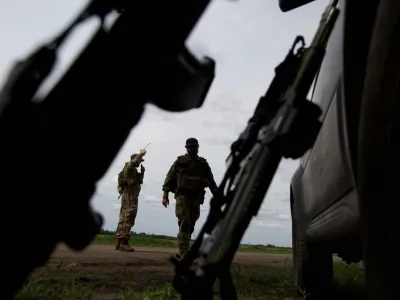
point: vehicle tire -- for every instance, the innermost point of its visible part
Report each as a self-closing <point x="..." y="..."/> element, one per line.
<point x="378" y="181"/>
<point x="312" y="265"/>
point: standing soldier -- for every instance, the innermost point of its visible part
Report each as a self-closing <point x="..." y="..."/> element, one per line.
<point x="129" y="186"/>
<point x="187" y="178"/>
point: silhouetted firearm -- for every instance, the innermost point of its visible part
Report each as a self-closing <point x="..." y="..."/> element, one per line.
<point x="54" y="150"/>
<point x="142" y="170"/>
<point x="284" y="124"/>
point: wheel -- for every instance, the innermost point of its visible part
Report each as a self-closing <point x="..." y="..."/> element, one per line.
<point x="378" y="181"/>
<point x="312" y="265"/>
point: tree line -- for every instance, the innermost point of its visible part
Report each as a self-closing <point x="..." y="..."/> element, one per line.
<point x="155" y="236"/>
<point x="172" y="238"/>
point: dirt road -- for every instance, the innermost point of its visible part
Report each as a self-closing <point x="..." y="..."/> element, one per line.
<point x="151" y="256"/>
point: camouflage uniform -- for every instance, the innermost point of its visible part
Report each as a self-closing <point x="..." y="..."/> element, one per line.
<point x="187" y="179"/>
<point x="129" y="203"/>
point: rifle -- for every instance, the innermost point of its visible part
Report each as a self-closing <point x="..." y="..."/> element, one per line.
<point x="52" y="141"/>
<point x="142" y="170"/>
<point x="284" y="124"/>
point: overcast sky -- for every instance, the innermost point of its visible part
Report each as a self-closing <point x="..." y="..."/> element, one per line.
<point x="247" y="38"/>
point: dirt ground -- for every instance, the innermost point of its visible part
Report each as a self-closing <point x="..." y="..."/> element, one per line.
<point x="102" y="273"/>
<point x="107" y="271"/>
<point x="107" y="257"/>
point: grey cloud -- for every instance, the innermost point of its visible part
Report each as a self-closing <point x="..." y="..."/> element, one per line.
<point x="274" y="215"/>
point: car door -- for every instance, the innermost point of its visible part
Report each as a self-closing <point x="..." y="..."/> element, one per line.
<point x="326" y="177"/>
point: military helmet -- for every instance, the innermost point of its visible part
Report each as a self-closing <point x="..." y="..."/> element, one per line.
<point x="134" y="155"/>
<point x="191" y="142"/>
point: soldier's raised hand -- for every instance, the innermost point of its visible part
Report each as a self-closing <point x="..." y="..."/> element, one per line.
<point x="165" y="201"/>
<point x="143" y="151"/>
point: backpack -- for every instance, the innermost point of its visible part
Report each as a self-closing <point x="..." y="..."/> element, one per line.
<point x="121" y="181"/>
<point x="191" y="180"/>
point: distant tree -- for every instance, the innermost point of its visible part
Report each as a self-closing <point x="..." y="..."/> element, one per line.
<point x="106" y="232"/>
<point x="172" y="238"/>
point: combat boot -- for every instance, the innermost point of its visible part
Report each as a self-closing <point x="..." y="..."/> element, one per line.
<point x="180" y="255"/>
<point x="124" y="246"/>
<point x="117" y="244"/>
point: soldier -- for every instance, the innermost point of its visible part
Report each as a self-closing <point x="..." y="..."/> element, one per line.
<point x="187" y="178"/>
<point x="129" y="204"/>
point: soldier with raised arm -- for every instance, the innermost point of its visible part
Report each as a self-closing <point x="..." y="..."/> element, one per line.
<point x="129" y="186"/>
<point x="187" y="178"/>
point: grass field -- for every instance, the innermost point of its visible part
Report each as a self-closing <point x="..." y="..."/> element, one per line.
<point x="251" y="283"/>
<point x="170" y="242"/>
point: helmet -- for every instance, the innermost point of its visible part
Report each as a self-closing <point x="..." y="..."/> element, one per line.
<point x="190" y="142"/>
